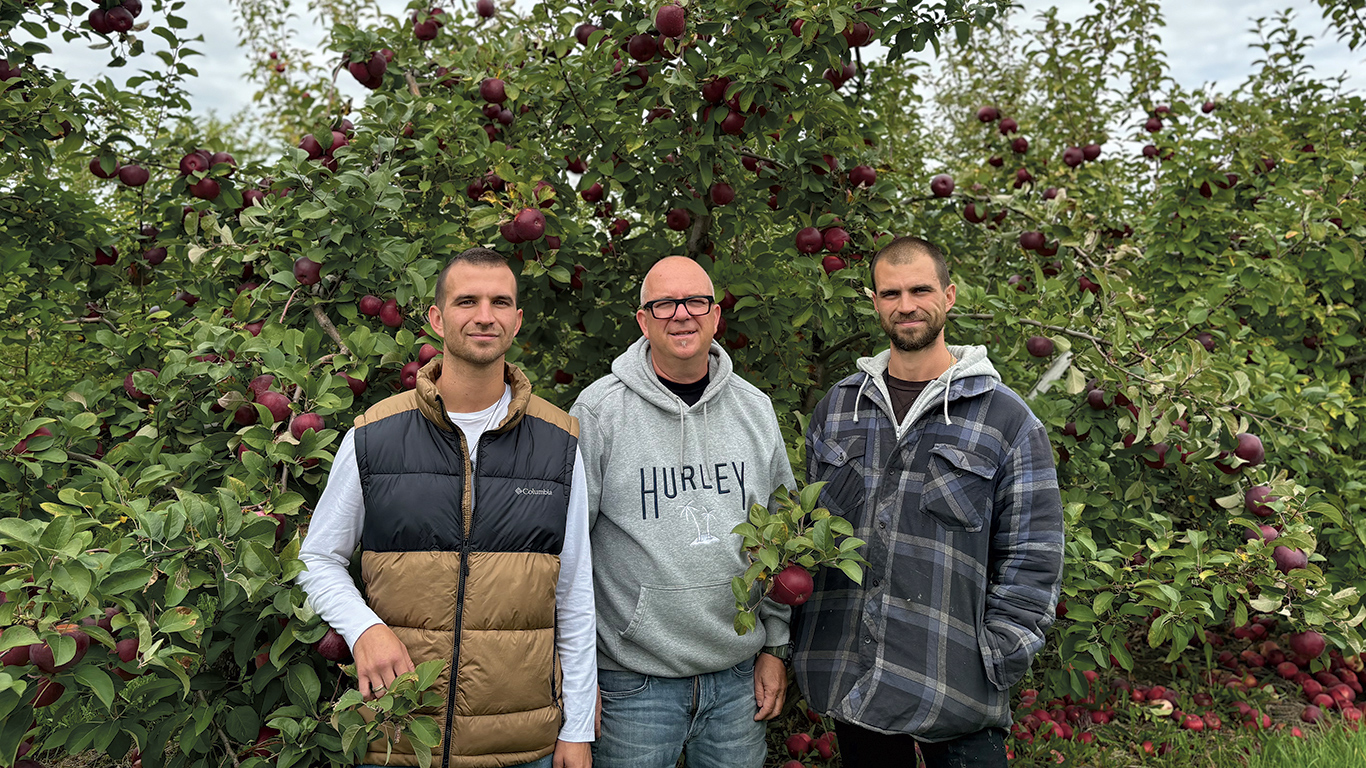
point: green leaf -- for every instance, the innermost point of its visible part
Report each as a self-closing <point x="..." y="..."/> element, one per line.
<point x="423" y="730"/>
<point x="303" y="681"/>
<point x="242" y="723"/>
<point x="98" y="681"/>
<point x="180" y="619"/>
<point x="852" y="570"/>
<point x="809" y="495"/>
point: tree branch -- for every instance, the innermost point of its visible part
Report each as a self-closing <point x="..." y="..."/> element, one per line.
<point x="842" y="344"/>
<point x="1036" y="323"/>
<point x="1267" y="419"/>
<point x="1351" y="361"/>
<point x="100" y="319"/>
<point x="329" y="328"/>
<point x="699" y="229"/>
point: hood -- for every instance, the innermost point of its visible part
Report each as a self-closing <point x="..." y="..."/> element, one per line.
<point x="634" y="369"/>
<point x="971" y="361"/>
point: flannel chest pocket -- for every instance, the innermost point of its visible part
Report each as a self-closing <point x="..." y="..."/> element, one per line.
<point x="840" y="465"/>
<point x="958" y="488"/>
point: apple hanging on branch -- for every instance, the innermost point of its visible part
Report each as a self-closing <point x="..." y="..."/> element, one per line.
<point x="785" y="547"/>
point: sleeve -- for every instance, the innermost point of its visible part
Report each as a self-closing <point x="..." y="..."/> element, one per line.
<point x="576" y="617"/>
<point x="1024" y="567"/>
<point x="333" y="533"/>
<point x="775" y="617"/>
<point x="591" y="445"/>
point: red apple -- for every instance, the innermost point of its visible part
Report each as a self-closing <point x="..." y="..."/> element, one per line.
<point x="865" y="176"/>
<point x="493" y="91"/>
<point x="1309" y="644"/>
<point x="304" y="422"/>
<point x="670" y="20"/>
<point x="677" y="219"/>
<point x="307" y="271"/>
<point x="1039" y="346"/>
<point x="390" y="315"/>
<point x="333" y="647"/>
<point x="834" y="239"/>
<point x="942" y="185"/>
<point x="530" y="224"/>
<point x="792" y="585"/>
<point x="278" y="404"/>
<point x="370" y="305"/>
<point x="408" y="375"/>
<point x="809" y="240"/>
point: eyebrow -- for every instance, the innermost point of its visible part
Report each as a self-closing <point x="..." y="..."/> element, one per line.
<point x="920" y="286"/>
<point x="464" y="296"/>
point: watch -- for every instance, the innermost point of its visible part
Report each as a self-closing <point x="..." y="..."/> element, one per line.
<point x="782" y="652"/>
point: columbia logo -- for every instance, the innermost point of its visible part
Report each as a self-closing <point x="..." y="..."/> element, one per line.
<point x="534" y="492"/>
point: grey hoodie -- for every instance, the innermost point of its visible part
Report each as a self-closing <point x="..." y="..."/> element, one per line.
<point x="666" y="484"/>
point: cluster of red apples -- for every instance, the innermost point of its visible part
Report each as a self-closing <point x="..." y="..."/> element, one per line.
<point x="369" y="68"/>
<point x="340" y="137"/>
<point x="1079" y="719"/>
<point x="116" y="17"/>
<point x="41" y="656"/>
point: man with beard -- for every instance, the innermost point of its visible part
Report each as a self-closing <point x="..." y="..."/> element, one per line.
<point x="949" y="478"/>
<point x="467" y="496"/>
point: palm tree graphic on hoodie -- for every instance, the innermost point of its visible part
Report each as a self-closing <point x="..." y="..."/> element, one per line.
<point x="699" y="517"/>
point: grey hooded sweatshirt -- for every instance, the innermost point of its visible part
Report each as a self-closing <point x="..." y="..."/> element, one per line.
<point x="667" y="483"/>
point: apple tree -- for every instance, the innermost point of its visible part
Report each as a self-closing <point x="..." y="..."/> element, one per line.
<point x="191" y="330"/>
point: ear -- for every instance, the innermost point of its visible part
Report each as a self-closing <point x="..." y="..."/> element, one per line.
<point x="950" y="296"/>
<point x="518" y="327"/>
<point x="434" y="318"/>
<point x="641" y="318"/>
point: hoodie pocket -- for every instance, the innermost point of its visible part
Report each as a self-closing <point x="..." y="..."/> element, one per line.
<point x="691" y="626"/>
<point x="840" y="465"/>
<point x="958" y="488"/>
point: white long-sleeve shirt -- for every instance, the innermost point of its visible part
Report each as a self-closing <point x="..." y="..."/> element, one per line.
<point x="336" y="528"/>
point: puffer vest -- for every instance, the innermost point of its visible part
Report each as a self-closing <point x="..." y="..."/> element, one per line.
<point x="464" y="569"/>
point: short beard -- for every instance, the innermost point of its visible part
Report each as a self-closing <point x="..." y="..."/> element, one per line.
<point x="911" y="340"/>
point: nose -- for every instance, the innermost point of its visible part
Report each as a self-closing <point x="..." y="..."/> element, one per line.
<point x="905" y="304"/>
<point x="485" y="314"/>
<point x="680" y="308"/>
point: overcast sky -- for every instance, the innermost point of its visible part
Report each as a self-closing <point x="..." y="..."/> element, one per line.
<point x="1205" y="41"/>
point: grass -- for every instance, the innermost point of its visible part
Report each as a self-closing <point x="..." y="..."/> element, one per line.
<point x="1335" y="748"/>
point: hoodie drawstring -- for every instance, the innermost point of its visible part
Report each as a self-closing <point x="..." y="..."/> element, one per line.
<point x="947" y="384"/>
<point x="682" y="435"/>
<point x="859" y="396"/>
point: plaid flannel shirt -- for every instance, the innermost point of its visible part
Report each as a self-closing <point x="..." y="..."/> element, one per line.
<point x="965" y="547"/>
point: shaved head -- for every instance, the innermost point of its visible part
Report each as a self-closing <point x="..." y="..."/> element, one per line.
<point x="674" y="270"/>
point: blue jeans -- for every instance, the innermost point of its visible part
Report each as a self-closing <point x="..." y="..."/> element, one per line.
<point x="647" y="722"/>
<point x="542" y="763"/>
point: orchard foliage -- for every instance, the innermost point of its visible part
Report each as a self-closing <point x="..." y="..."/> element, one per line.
<point x="146" y="469"/>
<point x="191" y="329"/>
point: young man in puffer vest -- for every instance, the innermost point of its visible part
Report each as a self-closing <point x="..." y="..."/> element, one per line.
<point x="467" y="497"/>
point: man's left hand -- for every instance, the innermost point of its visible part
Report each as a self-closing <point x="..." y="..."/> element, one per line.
<point x="770" y="685"/>
<point x="573" y="754"/>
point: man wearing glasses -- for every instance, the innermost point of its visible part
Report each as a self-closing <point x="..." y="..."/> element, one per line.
<point x="676" y="449"/>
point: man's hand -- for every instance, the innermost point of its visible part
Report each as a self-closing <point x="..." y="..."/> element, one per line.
<point x="380" y="657"/>
<point x="597" y="717"/>
<point x="573" y="754"/>
<point x="770" y="686"/>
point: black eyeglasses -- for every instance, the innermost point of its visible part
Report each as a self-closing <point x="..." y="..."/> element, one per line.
<point x="664" y="309"/>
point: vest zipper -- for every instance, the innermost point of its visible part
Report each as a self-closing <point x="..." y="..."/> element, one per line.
<point x="459" y="597"/>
